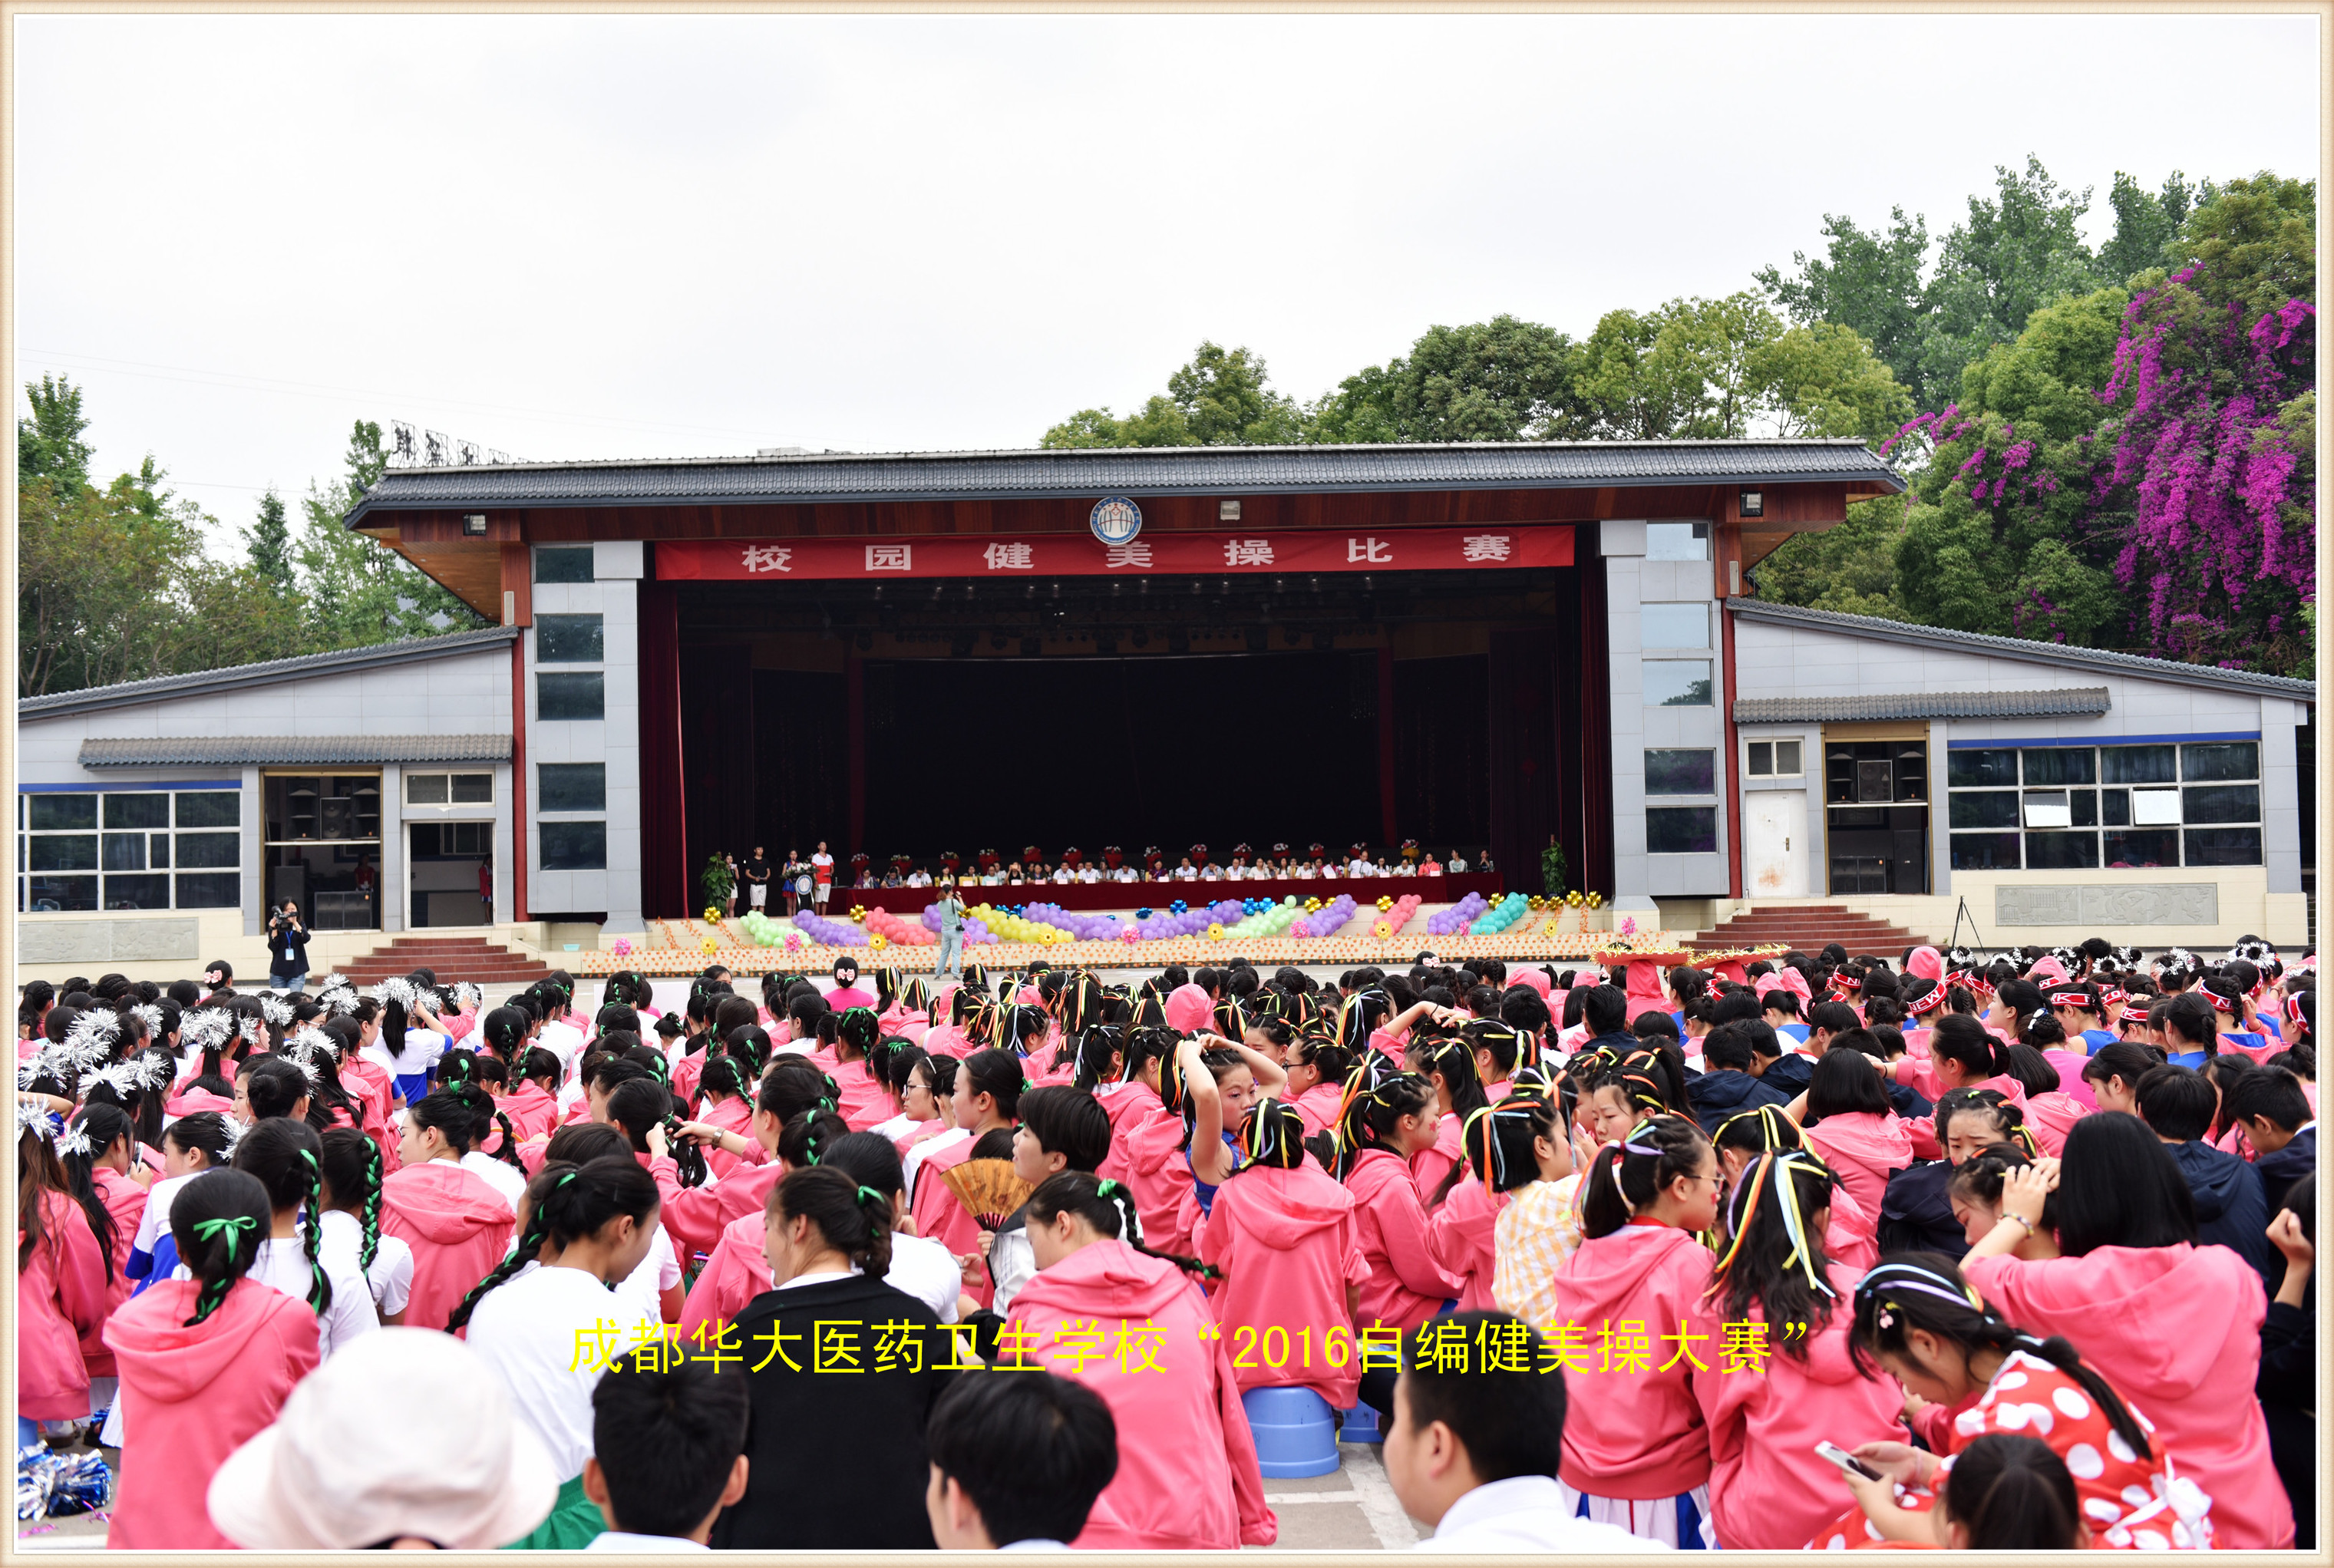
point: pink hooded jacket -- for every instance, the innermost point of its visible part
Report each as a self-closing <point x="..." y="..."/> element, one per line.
<point x="1318" y="1107"/>
<point x="2050" y="1114"/>
<point x="861" y="1101"/>
<point x="1428" y="1167"/>
<point x="1767" y="1490"/>
<point x="1159" y="1176"/>
<point x="1925" y="964"/>
<point x="1128" y="1106"/>
<point x="125" y="1200"/>
<point x="457" y="1227"/>
<point x="695" y="1217"/>
<point x="1634" y="1434"/>
<point x="1405" y="1285"/>
<point x="1463" y="1238"/>
<point x="2176" y="1330"/>
<point x="1287" y="1243"/>
<point x="948" y="1040"/>
<point x="181" y="1417"/>
<point x="737" y="1271"/>
<point x="1862" y="1147"/>
<point x="1187" y="1468"/>
<point x="939" y="1217"/>
<point x="735" y="1114"/>
<point x="532" y="1112"/>
<point x="60" y="1300"/>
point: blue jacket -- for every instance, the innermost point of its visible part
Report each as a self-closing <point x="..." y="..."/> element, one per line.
<point x="2280" y="1171"/>
<point x="2231" y="1208"/>
<point x="1789" y="1073"/>
<point x="1721" y="1092"/>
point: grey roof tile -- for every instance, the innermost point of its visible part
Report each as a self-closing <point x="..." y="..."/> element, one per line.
<point x="202" y="681"/>
<point x="2074" y="701"/>
<point x="292" y="750"/>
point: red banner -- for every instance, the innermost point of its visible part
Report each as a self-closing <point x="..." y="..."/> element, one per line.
<point x="1083" y="556"/>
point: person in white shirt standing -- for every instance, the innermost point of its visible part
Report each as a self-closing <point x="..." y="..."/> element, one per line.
<point x="1475" y="1440"/>
<point x="822" y="872"/>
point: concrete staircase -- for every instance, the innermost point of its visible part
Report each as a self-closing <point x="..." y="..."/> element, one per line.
<point x="1808" y="927"/>
<point x="451" y="960"/>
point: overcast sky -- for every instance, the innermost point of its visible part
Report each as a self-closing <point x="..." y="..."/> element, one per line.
<point x="594" y="238"/>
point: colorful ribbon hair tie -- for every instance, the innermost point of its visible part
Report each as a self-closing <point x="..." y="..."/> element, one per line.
<point x="234" y="1227"/>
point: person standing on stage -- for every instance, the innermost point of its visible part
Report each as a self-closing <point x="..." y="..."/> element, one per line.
<point x="822" y="873"/>
<point x="952" y="917"/>
<point x="757" y="872"/>
<point x="794" y="879"/>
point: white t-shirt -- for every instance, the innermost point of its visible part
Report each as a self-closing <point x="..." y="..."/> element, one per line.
<point x="283" y="1265"/>
<point x="155" y="1222"/>
<point x="1526" y="1514"/>
<point x="562" y="1039"/>
<point x="917" y="1155"/>
<point x="422" y="1049"/>
<point x="822" y="868"/>
<point x="392" y="1275"/>
<point x="528" y="1330"/>
<point x="508" y="1179"/>
<point x="927" y="1270"/>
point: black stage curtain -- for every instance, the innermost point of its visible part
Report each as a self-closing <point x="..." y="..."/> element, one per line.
<point x="801" y="770"/>
<point x="664" y="840"/>
<point x="1524" y="781"/>
<point x="717" y="743"/>
<point x="965" y="754"/>
<point x="1443" y="760"/>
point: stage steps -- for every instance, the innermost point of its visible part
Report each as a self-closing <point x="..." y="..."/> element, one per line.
<point x="1808" y="927"/>
<point x="451" y="960"/>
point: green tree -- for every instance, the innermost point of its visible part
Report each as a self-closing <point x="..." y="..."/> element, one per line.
<point x="1849" y="567"/>
<point x="1870" y="282"/>
<point x="1729" y="368"/>
<point x="2253" y="242"/>
<point x="48" y="442"/>
<point x="357" y="589"/>
<point x="1503" y="379"/>
<point x="1220" y="398"/>
<point x="269" y="542"/>
<point x="2013" y="255"/>
<point x="2146" y="226"/>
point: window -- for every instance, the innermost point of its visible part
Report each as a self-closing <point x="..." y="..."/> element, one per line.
<point x="1677" y="682"/>
<point x="1677" y="541"/>
<point x="1876" y="772"/>
<point x="2164" y="803"/>
<point x="1682" y="830"/>
<point x="441" y="789"/>
<point x="1680" y="772"/>
<point x="569" y="639"/>
<point x="578" y="786"/>
<point x="575" y="846"/>
<point x="573" y="696"/>
<point x="573" y="565"/>
<point x="1775" y="759"/>
<point x="126" y="835"/>
<point x="452" y="841"/>
<point x="1674" y="625"/>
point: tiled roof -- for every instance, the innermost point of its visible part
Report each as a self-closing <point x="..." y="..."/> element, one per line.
<point x="2072" y="701"/>
<point x="2057" y="655"/>
<point x="1134" y="470"/>
<point x="292" y="750"/>
<point x="203" y="681"/>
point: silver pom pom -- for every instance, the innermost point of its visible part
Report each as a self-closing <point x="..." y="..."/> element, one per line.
<point x="275" y="1009"/>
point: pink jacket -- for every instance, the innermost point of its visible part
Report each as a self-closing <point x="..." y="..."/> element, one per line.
<point x="735" y="1114"/>
<point x="2050" y="1114"/>
<point x="1767" y="1490"/>
<point x="1158" y="1175"/>
<point x="1287" y="1243"/>
<point x="125" y="1200"/>
<point x="737" y="1271"/>
<point x="1128" y="1106"/>
<point x="1463" y="1238"/>
<point x="1852" y="1239"/>
<point x="948" y="1040"/>
<point x="1862" y="1147"/>
<point x="695" y="1217"/>
<point x="2070" y="1066"/>
<point x="1635" y="1433"/>
<point x="457" y="1227"/>
<point x="861" y="1101"/>
<point x="2176" y="1330"/>
<point x="1428" y="1167"/>
<point x="1318" y="1107"/>
<point x="940" y="1217"/>
<point x="532" y="1112"/>
<point x="1187" y="1467"/>
<point x="688" y="1071"/>
<point x="181" y="1417"/>
<point x="60" y="1299"/>
<point x="1405" y="1285"/>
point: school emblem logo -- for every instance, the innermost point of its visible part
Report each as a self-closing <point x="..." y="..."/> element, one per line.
<point x="1116" y="520"/>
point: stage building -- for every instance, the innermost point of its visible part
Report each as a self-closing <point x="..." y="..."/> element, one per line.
<point x="1483" y="646"/>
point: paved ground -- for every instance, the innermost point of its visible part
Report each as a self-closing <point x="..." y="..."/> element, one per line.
<point x="1350" y="1509"/>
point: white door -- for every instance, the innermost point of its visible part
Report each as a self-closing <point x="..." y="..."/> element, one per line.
<point x="1775" y="846"/>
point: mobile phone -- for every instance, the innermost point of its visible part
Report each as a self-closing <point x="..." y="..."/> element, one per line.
<point x="1848" y="1462"/>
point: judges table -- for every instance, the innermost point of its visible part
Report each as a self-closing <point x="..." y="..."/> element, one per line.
<point x="1365" y="890"/>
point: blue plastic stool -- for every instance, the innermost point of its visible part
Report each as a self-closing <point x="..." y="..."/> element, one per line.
<point x="1361" y="1426"/>
<point x="1296" y="1432"/>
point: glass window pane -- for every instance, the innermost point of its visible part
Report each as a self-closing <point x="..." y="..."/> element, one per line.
<point x="568" y="639"/>
<point x="2225" y="846"/>
<point x="1762" y="758"/>
<point x="1787" y="759"/>
<point x="563" y="565"/>
<point x="582" y="786"/>
<point x="1682" y="830"/>
<point x="64" y="853"/>
<point x="210" y="809"/>
<point x="2061" y="852"/>
<point x="2085" y="807"/>
<point x="67" y="894"/>
<point x="1677" y="682"/>
<point x="2220" y="760"/>
<point x="60" y="811"/>
<point x="125" y="851"/>
<point x="575" y="846"/>
<point x="158" y="851"/>
<point x="150" y="890"/>
<point x="1965" y="768"/>
<point x="2143" y="847"/>
<point x="210" y="849"/>
<point x="472" y="789"/>
<point x="210" y="891"/>
<point x="2156" y="808"/>
<point x="2117" y="804"/>
<point x="425" y="789"/>
<point x="1677" y="541"/>
<point x="1983" y="809"/>
<point x="1985" y="851"/>
<point x="578" y="697"/>
<point x="1672" y="625"/>
<point x="2224" y="803"/>
<point x="2060" y="765"/>
<point x="2047" y="809"/>
<point x="2137" y="764"/>
<point x="138" y="811"/>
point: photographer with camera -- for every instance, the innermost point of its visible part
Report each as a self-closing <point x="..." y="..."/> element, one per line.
<point x="287" y="949"/>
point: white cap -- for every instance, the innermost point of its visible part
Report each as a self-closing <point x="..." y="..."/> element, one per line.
<point x="401" y="1432"/>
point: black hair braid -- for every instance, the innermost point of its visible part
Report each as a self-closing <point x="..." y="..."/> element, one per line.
<point x="1108" y="1207"/>
<point x="311" y="1230"/>
<point x="530" y="1246"/>
<point x="372" y="1215"/>
<point x="687" y="1157"/>
<point x="507" y="1150"/>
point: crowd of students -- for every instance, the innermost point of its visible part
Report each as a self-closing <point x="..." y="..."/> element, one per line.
<point x="1607" y="1257"/>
